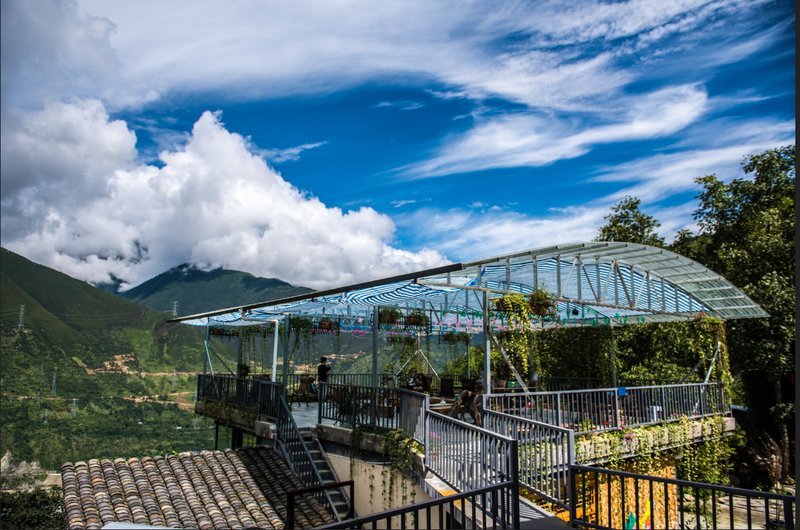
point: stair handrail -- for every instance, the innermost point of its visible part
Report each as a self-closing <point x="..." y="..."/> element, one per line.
<point x="330" y="467"/>
<point x="286" y="423"/>
<point x="290" y="495"/>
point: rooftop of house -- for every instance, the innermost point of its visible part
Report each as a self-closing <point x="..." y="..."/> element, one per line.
<point x="242" y="488"/>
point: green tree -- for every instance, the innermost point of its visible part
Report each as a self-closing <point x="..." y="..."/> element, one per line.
<point x="627" y="222"/>
<point x="36" y="509"/>
<point x="747" y="234"/>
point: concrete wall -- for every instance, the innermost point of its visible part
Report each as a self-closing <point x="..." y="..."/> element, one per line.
<point x="373" y="483"/>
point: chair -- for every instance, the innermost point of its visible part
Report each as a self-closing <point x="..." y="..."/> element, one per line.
<point x="427" y="380"/>
<point x="468" y="384"/>
<point x="388" y="381"/>
<point x="303" y="390"/>
<point x="446" y="389"/>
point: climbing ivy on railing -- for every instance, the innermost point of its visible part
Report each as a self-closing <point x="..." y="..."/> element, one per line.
<point x="644" y="449"/>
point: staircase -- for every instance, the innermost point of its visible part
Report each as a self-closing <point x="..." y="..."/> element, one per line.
<point x="340" y="500"/>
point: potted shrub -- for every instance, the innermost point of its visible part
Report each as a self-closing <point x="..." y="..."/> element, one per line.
<point x="416" y="319"/>
<point x="388" y="315"/>
<point x="540" y="303"/>
<point x="326" y="324"/>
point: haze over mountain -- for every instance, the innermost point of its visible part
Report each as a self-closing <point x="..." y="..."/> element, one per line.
<point x="196" y="290"/>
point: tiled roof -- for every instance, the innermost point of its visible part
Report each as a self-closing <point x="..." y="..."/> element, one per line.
<point x="245" y="488"/>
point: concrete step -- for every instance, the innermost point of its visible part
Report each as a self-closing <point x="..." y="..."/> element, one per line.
<point x="338" y="497"/>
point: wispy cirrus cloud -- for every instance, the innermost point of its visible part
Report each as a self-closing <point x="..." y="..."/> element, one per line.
<point x="652" y="179"/>
<point x="288" y="154"/>
<point x="532" y="140"/>
<point x="402" y="105"/>
<point x="141" y="52"/>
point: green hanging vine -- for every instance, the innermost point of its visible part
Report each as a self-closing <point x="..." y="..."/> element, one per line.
<point x="398" y="452"/>
<point x="515" y="340"/>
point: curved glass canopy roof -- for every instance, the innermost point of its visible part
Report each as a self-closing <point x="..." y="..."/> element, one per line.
<point x="591" y="283"/>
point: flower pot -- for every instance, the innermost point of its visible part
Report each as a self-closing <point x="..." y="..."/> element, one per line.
<point x="416" y="320"/>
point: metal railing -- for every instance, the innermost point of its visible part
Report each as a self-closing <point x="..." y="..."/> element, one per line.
<point x="237" y="391"/>
<point x="358" y="379"/>
<point x="468" y="457"/>
<point x="291" y="495"/>
<point x="611" y="408"/>
<point x="545" y="454"/>
<point x="389" y="408"/>
<point x="268" y="400"/>
<point x="548" y="383"/>
<point x="643" y="501"/>
<point x="296" y="453"/>
<point x="413" y="406"/>
<point x="260" y="396"/>
<point x="495" y="506"/>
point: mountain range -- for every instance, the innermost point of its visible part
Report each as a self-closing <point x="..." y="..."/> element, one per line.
<point x="187" y="290"/>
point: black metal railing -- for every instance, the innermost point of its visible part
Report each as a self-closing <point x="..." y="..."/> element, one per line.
<point x="267" y="399"/>
<point x="244" y="393"/>
<point x="237" y="391"/>
<point x="292" y="495"/>
<point x="603" y="498"/>
<point x="359" y="379"/>
<point x="389" y="408"/>
<point x="495" y="506"/>
<point x="298" y="456"/>
<point x="612" y="408"/>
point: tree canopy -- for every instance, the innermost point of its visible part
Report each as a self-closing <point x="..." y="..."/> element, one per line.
<point x="627" y="222"/>
<point x="747" y="234"/>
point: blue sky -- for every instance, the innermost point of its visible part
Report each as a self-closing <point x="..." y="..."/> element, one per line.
<point x="327" y="142"/>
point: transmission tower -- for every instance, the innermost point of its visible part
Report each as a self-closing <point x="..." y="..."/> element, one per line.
<point x="21" y="316"/>
<point x="45" y="415"/>
<point x="73" y="409"/>
<point x="53" y="387"/>
<point x="175" y="308"/>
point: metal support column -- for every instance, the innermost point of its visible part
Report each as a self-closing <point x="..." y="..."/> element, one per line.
<point x="613" y="355"/>
<point x="375" y="330"/>
<point x="240" y="354"/>
<point x="487" y="362"/>
<point x="285" y="352"/>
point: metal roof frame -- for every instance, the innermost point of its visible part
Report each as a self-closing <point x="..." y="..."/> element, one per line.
<point x="590" y="282"/>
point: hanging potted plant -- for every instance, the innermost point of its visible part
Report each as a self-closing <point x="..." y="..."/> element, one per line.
<point x="540" y="303"/>
<point x="326" y="324"/>
<point x="511" y="303"/>
<point x="416" y="319"/>
<point x="388" y="315"/>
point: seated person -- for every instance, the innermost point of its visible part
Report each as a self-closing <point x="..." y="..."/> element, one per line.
<point x="418" y="383"/>
<point x="421" y="383"/>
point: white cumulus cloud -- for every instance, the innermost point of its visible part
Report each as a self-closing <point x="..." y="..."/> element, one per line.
<point x="212" y="201"/>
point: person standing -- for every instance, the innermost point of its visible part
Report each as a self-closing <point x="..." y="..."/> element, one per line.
<point x="322" y="370"/>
